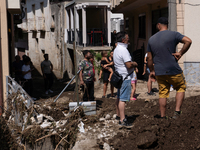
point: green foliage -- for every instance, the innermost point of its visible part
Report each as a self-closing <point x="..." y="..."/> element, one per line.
<point x="97" y="57"/>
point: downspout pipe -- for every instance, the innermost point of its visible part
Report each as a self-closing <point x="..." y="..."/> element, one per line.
<point x="1" y="81"/>
<point x="172" y="13"/>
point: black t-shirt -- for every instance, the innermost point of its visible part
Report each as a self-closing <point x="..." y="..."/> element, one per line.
<point x="162" y="45"/>
<point x="18" y="67"/>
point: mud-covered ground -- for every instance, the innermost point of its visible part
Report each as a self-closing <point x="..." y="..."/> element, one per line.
<point x="148" y="131"/>
<point x="180" y="134"/>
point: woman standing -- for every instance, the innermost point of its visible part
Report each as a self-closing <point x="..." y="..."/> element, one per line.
<point x="111" y="64"/>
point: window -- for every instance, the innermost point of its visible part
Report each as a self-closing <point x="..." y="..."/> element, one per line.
<point x="142" y="26"/>
<point x="33" y="9"/>
<point x="25" y="13"/>
<point x="42" y="7"/>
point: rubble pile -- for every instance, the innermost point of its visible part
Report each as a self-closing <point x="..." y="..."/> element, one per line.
<point x="34" y="122"/>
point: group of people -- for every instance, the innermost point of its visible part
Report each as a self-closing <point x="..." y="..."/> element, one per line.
<point x="23" y="73"/>
<point x="162" y="61"/>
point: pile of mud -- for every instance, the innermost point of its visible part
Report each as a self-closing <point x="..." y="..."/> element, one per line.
<point x="150" y="132"/>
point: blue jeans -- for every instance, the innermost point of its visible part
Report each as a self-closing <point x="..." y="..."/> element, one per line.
<point x="125" y="91"/>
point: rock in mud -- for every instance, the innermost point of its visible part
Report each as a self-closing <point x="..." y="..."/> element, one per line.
<point x="102" y="119"/>
<point x="106" y="146"/>
<point x="146" y="140"/>
<point x="107" y="117"/>
<point x="114" y="116"/>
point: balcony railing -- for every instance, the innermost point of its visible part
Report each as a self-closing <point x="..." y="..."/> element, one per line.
<point x="80" y="37"/>
<point x="95" y="37"/>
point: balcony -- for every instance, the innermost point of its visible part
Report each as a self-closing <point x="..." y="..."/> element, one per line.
<point x="70" y="34"/>
<point x="41" y="24"/>
<point x="96" y="37"/>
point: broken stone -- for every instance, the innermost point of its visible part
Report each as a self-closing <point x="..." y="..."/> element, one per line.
<point x="99" y="136"/>
<point x="49" y="118"/>
<point x="60" y="123"/>
<point x="114" y="116"/>
<point x="146" y="139"/>
<point x="39" y="119"/>
<point x="107" y="117"/>
<point x="106" y="146"/>
<point x="147" y="100"/>
<point x="102" y="119"/>
<point x="81" y="127"/>
<point x="45" y="124"/>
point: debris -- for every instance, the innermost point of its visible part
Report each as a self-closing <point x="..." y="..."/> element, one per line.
<point x="102" y="119"/>
<point x="146" y="139"/>
<point x="107" y="117"/>
<point x="45" y="124"/>
<point x="106" y="146"/>
<point x="81" y="127"/>
<point x="114" y="116"/>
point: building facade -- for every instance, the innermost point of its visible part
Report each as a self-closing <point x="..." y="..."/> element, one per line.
<point x="54" y="25"/>
<point x="140" y="19"/>
<point x="7" y="8"/>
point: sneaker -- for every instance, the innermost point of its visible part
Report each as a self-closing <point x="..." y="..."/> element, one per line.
<point x="155" y="90"/>
<point x="125" y="123"/>
<point x="118" y="118"/>
<point x="103" y="96"/>
<point x="159" y="117"/>
<point x="50" y="91"/>
<point x="46" y="92"/>
<point x="151" y="93"/>
<point x="176" y="115"/>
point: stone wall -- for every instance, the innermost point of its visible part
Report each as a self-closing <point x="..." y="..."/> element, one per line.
<point x="192" y="73"/>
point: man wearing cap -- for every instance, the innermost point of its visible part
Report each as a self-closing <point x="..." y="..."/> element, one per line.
<point x="166" y="70"/>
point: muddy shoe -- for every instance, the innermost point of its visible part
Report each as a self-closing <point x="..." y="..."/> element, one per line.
<point x="118" y="118"/>
<point x="177" y="114"/>
<point x="151" y="93"/>
<point x="125" y="123"/>
<point x="159" y="117"/>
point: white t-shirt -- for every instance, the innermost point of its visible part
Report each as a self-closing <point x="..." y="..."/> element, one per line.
<point x="134" y="76"/>
<point x="146" y="55"/>
<point x="26" y="68"/>
<point x="120" y="56"/>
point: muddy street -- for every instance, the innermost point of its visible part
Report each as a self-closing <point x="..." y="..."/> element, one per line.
<point x="101" y="131"/>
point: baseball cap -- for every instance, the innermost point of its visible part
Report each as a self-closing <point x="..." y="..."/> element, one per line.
<point x="163" y="20"/>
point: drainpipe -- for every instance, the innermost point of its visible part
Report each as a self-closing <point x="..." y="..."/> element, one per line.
<point x="75" y="58"/>
<point x="63" y="40"/>
<point x="172" y="11"/>
<point x="1" y="84"/>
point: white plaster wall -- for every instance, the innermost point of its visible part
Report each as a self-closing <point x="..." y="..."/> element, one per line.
<point x="48" y="43"/>
<point x="192" y="29"/>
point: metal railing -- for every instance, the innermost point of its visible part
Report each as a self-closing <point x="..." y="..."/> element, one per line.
<point x="12" y="87"/>
<point x="97" y="37"/>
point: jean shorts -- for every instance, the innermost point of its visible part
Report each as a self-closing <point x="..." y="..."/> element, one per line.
<point x="124" y="93"/>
